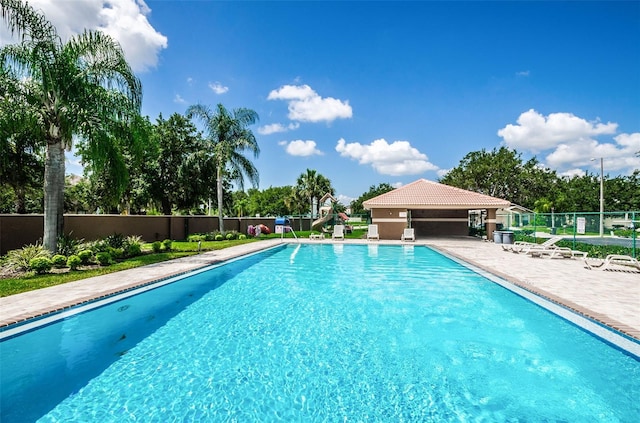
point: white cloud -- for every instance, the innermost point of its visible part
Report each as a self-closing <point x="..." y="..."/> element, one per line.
<point x="125" y="20"/>
<point x="397" y="158"/>
<point x="523" y="73"/>
<point x="218" y="88"/>
<point x="178" y="99"/>
<point x="274" y="128"/>
<point x="535" y="132"/>
<point x="569" y="142"/>
<point x="305" y="105"/>
<point x="301" y="148"/>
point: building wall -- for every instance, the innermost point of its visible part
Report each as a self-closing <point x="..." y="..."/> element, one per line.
<point x="391" y="222"/>
<point x="18" y="230"/>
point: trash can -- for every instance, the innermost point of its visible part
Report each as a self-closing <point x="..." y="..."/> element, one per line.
<point x="507" y="237"/>
<point x="497" y="237"/>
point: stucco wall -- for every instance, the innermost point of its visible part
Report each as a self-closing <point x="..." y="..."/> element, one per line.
<point x="17" y="230"/>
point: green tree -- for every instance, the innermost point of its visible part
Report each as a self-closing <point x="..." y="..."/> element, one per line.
<point x="83" y="87"/>
<point x="312" y="185"/>
<point x="21" y="141"/>
<point x="502" y="173"/>
<point x="229" y="138"/>
<point x="176" y="148"/>
<point x="374" y="191"/>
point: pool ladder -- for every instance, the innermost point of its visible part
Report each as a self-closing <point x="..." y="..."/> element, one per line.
<point x="291" y="230"/>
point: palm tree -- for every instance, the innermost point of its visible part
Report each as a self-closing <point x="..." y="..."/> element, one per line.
<point x="313" y="186"/>
<point x="229" y="137"/>
<point x="83" y="88"/>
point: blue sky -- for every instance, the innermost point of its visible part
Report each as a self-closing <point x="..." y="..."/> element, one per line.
<point x="372" y="92"/>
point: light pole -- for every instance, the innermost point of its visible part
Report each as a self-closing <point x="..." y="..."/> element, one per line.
<point x="601" y="196"/>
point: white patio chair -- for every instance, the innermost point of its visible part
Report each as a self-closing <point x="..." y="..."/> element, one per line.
<point x="372" y="232"/>
<point x="408" y="235"/>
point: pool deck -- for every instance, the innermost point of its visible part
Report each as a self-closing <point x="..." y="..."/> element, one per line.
<point x="609" y="297"/>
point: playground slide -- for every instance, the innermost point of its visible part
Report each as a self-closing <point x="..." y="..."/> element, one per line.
<point x="319" y="223"/>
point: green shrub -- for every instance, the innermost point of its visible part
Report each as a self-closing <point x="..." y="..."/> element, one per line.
<point x="67" y="245"/>
<point x="157" y="246"/>
<point x="196" y="238"/>
<point x="230" y="236"/>
<point x="219" y="237"/>
<point x="104" y="258"/>
<point x="20" y="259"/>
<point x="116" y="253"/>
<point x="134" y="250"/>
<point x="59" y="261"/>
<point x="167" y="244"/>
<point x="116" y="240"/>
<point x="242" y="236"/>
<point x="85" y="256"/>
<point x="40" y="264"/>
<point x="73" y="262"/>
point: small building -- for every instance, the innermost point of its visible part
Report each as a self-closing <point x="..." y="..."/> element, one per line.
<point x="432" y="209"/>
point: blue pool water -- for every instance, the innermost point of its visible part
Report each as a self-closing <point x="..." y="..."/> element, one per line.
<point x="319" y="333"/>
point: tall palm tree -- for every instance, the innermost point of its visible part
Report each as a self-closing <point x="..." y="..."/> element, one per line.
<point x="229" y="137"/>
<point x="313" y="186"/>
<point x="83" y="88"/>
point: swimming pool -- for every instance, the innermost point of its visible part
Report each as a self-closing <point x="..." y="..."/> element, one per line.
<point x="319" y="333"/>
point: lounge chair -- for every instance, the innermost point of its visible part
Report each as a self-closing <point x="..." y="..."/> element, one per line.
<point x="613" y="260"/>
<point x="408" y="235"/>
<point x="556" y="252"/>
<point x="372" y="232"/>
<point x="525" y="247"/>
<point x="338" y="232"/>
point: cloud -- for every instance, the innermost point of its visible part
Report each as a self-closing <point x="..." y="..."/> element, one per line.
<point x="523" y="73"/>
<point x="178" y="99"/>
<point x="395" y="159"/>
<point x="305" y="105"/>
<point x="218" y="88"/>
<point x="125" y="20"/>
<point x="274" y="128"/>
<point x="301" y="148"/>
<point x="569" y="142"/>
<point x="535" y="132"/>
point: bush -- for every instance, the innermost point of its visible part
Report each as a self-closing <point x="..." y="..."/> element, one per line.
<point x="196" y="238"/>
<point x="116" y="253"/>
<point x="230" y="236"/>
<point x="167" y="244"/>
<point x="104" y="258"/>
<point x="66" y="245"/>
<point x="219" y="237"/>
<point x="59" y="261"/>
<point x="134" y="250"/>
<point x="242" y="236"/>
<point x="116" y="240"/>
<point x="85" y="256"/>
<point x="157" y="246"/>
<point x="20" y="259"/>
<point x="40" y="264"/>
<point x="73" y="262"/>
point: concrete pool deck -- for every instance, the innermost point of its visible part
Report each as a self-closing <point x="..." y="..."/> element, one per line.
<point x="611" y="298"/>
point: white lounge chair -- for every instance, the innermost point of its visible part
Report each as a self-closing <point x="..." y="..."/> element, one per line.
<point x="408" y="235"/>
<point x="556" y="252"/>
<point x="338" y="232"/>
<point x="613" y="260"/>
<point x="372" y="232"/>
<point x="525" y="247"/>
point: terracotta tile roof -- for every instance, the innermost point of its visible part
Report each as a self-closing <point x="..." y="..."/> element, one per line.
<point x="423" y="194"/>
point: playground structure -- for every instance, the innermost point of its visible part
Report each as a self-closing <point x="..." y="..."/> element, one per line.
<point x="328" y="214"/>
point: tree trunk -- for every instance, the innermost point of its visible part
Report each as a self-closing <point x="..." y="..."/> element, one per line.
<point x="53" y="194"/>
<point x="219" y="192"/>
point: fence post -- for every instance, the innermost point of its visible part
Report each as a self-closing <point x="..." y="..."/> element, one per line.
<point x="633" y="234"/>
<point x="575" y="230"/>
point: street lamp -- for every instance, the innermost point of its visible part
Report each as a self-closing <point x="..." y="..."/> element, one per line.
<point x="601" y="196"/>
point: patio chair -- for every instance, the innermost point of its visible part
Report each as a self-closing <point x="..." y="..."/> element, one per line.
<point x="556" y="252"/>
<point x="525" y="247"/>
<point x="408" y="235"/>
<point x="372" y="232"/>
<point x="338" y="232"/>
<point x="613" y="260"/>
